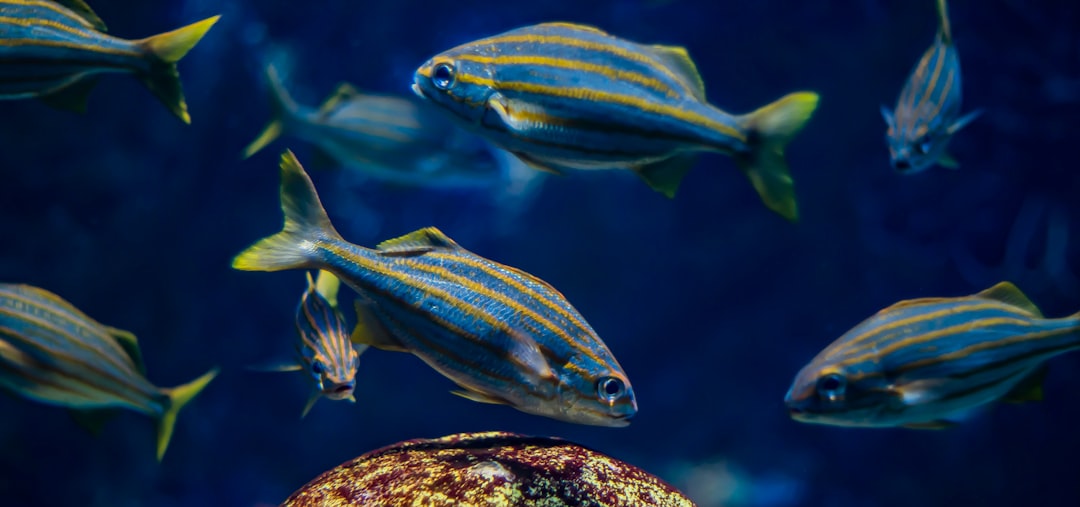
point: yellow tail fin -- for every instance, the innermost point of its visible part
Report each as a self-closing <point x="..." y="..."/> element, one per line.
<point x="770" y="129"/>
<point x="168" y="48"/>
<point x="178" y="396"/>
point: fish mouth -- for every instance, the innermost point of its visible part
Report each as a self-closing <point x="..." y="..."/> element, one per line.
<point x="418" y="91"/>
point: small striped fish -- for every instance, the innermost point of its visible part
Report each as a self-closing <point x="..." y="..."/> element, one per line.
<point x="566" y="96"/>
<point x="926" y="363"/>
<point x="53" y="353"/>
<point x="389" y="138"/>
<point x="927" y="113"/>
<point x="501" y="334"/>
<point x="324" y="349"/>
<point x="53" y="49"/>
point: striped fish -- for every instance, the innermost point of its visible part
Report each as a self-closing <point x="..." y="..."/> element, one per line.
<point x="53" y="353"/>
<point x="927" y="363"/>
<point x="565" y="96"/>
<point x="927" y="113"/>
<point x="389" y="138"/>
<point x="501" y="334"/>
<point x="324" y="349"/>
<point x="53" y="50"/>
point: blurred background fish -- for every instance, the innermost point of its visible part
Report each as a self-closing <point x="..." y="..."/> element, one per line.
<point x="53" y="50"/>
<point x="926" y="363"/>
<point x="927" y="113"/>
<point x="503" y="335"/>
<point x="566" y="96"/>
<point x="53" y="353"/>
<point x="324" y="350"/>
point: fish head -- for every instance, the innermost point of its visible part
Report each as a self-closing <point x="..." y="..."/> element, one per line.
<point x="335" y="381"/>
<point x="603" y="398"/>
<point x="835" y="391"/>
<point x="457" y="83"/>
<point x="914" y="145"/>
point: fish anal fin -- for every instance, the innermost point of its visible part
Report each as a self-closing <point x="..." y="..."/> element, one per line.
<point x="938" y="424"/>
<point x="664" y="176"/>
<point x="370" y="331"/>
<point x="678" y="60"/>
<point x="72" y="97"/>
<point x="418" y="242"/>
<point x="85" y="12"/>
<point x="480" y="397"/>
<point x="128" y="342"/>
<point x="537" y="164"/>
<point x="1008" y="293"/>
<point x="1030" y="388"/>
<point x="343" y="92"/>
<point x="93" y="420"/>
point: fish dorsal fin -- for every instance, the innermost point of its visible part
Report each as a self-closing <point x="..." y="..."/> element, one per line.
<point x="1009" y="294"/>
<point x="532" y="278"/>
<point x="678" y="60"/>
<point x="1030" y="388"/>
<point x="85" y="12"/>
<point x="327" y="285"/>
<point x="912" y="302"/>
<point x="130" y="344"/>
<point x="573" y="26"/>
<point x="418" y="242"/>
<point x="342" y="93"/>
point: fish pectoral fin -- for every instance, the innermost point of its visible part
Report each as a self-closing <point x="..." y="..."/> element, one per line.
<point x="1008" y="293"/>
<point x="273" y="367"/>
<point x="327" y="285"/>
<point x="130" y="344"/>
<point x="530" y="360"/>
<point x="539" y="165"/>
<point x="664" y="176"/>
<point x="84" y="11"/>
<point x="480" y="397"/>
<point x="918" y="392"/>
<point x="418" y="242"/>
<point x="887" y="115"/>
<point x="1028" y="389"/>
<point x="343" y="93"/>
<point x="370" y="331"/>
<point x="312" y="398"/>
<point x="947" y="161"/>
<point x="963" y="121"/>
<point x="72" y="97"/>
<point x="678" y="60"/>
<point x="518" y="115"/>
<point x="938" y="424"/>
<point x="93" y="420"/>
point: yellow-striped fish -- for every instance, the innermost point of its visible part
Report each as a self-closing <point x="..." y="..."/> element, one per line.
<point x="561" y="95"/>
<point x="927" y="113"/>
<point x="927" y="363"/>
<point x="501" y="334"/>
<point x="324" y="349"/>
<point x="53" y="353"/>
<point x="53" y="50"/>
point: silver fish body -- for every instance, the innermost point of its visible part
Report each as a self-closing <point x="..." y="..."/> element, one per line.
<point x="927" y="113"/>
<point x="928" y="363"/>
<point x="565" y="96"/>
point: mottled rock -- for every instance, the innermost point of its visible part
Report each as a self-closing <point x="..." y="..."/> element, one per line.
<point x="485" y="469"/>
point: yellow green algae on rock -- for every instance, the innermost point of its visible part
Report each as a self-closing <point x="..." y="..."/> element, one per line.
<point x="486" y="469"/>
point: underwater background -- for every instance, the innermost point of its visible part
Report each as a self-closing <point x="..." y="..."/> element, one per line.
<point x="710" y="301"/>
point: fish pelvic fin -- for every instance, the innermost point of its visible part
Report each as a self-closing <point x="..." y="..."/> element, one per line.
<point x="282" y="105"/>
<point x="770" y="129"/>
<point x="312" y="398"/>
<point x="306" y="225"/>
<point x="179" y="396"/>
<point x="167" y="48"/>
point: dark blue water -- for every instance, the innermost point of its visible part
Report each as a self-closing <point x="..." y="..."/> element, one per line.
<point x="710" y="301"/>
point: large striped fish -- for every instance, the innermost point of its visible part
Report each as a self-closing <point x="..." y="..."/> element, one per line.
<point x="324" y="350"/>
<point x="561" y="95"/>
<point x="501" y="334"/>
<point x="927" y="113"/>
<point x="398" y="140"/>
<point x="53" y="353"/>
<point x="927" y="363"/>
<point x="53" y="50"/>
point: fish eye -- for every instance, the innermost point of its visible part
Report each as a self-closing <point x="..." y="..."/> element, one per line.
<point x="442" y="76"/>
<point x="831" y="386"/>
<point x="610" y="388"/>
<point x="317" y="368"/>
<point x="925" y="144"/>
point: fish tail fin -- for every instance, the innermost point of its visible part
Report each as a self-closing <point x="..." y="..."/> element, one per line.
<point x="283" y="106"/>
<point x="179" y="396"/>
<point x="306" y="223"/>
<point x="945" y="30"/>
<point x="770" y="129"/>
<point x="163" y="80"/>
